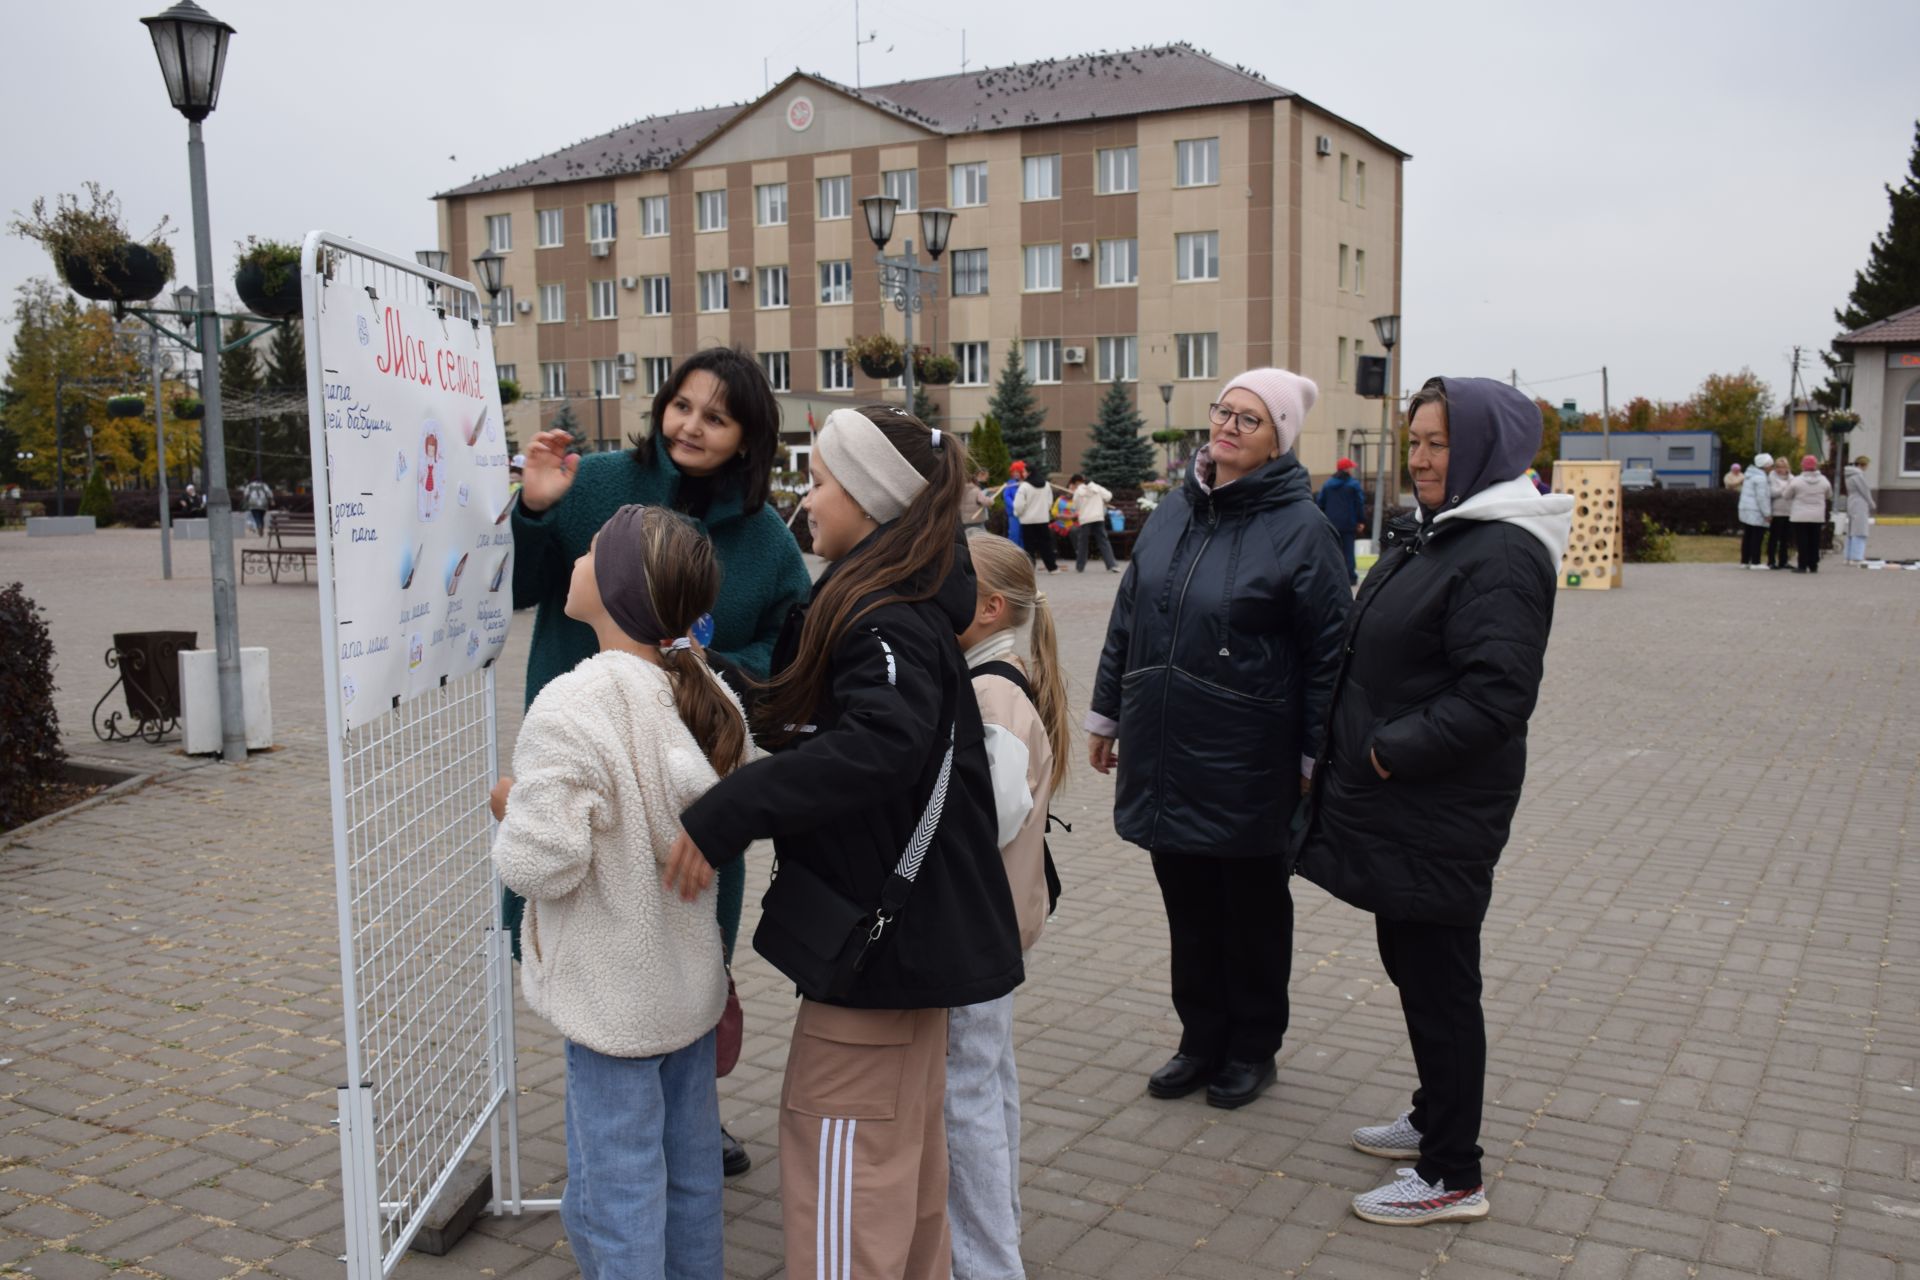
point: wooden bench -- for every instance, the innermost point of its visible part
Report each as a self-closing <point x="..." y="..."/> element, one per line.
<point x="290" y="541"/>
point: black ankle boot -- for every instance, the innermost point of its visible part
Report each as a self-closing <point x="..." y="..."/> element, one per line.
<point x="1239" y="1083"/>
<point x="1181" y="1076"/>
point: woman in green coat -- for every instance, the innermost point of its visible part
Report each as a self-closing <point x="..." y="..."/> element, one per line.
<point x="717" y="427"/>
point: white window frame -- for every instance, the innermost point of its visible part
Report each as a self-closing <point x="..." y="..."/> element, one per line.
<point x="603" y="221"/>
<point x="656" y="216"/>
<point x="836" y="370"/>
<point x="1909" y="428"/>
<point x="503" y="307"/>
<point x="969" y="184"/>
<point x="1040" y="268"/>
<point x="1123" y="347"/>
<point x="659" y="370"/>
<point x="1196" y="356"/>
<point x="904" y="186"/>
<point x="1359" y="272"/>
<point x="1346" y="254"/>
<point x="710" y="210"/>
<point x="550" y="228"/>
<point x="553" y="379"/>
<point x="1346" y="170"/>
<point x="707" y="281"/>
<point x="969" y="272"/>
<point x="553" y="304"/>
<point x="603" y="299"/>
<point x="1360" y="183"/>
<point x="976" y="363"/>
<point x="836" y="282"/>
<point x="507" y="372"/>
<point x="500" y="232"/>
<point x="656" y="295"/>
<point x="1116" y="171"/>
<point x="1189" y="246"/>
<point x="1196" y="162"/>
<point x="778" y="366"/>
<point x="1040" y="177"/>
<point x="835" y="198"/>
<point x="772" y="289"/>
<point x="1117" y="264"/>
<point x="1340" y="362"/>
<point x="1042" y="357"/>
<point x="770" y="204"/>
<point x="606" y="380"/>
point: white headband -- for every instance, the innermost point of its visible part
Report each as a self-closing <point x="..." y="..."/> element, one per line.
<point x="865" y="463"/>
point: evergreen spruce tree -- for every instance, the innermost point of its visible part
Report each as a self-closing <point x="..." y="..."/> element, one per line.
<point x="1120" y="458"/>
<point x="1890" y="282"/>
<point x="95" y="501"/>
<point x="1018" y="411"/>
<point x="288" y="445"/>
<point x="924" y="407"/>
<point x="240" y="377"/>
<point x="989" y="450"/>
<point x="565" y="421"/>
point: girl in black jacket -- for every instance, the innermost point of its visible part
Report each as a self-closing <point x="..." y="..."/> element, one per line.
<point x="1425" y="753"/>
<point x="889" y="902"/>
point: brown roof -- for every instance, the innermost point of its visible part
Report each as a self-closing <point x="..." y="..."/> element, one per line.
<point x="1088" y="87"/>
<point x="1901" y="326"/>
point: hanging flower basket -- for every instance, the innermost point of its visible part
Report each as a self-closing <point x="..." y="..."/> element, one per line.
<point x="189" y="410"/>
<point x="936" y="371"/>
<point x="509" y="392"/>
<point x="267" y="278"/>
<point x="126" y="273"/>
<point x="92" y="250"/>
<point x="879" y="356"/>
<point x="126" y="407"/>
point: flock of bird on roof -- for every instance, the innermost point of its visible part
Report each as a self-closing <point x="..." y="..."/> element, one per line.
<point x="639" y="147"/>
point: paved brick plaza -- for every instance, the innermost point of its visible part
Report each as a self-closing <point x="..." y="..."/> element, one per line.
<point x="1703" y="981"/>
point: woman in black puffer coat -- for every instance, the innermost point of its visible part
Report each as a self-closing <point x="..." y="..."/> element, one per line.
<point x="1426" y="752"/>
<point x="1219" y="660"/>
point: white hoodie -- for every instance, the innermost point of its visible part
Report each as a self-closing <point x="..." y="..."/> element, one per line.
<point x="1547" y="516"/>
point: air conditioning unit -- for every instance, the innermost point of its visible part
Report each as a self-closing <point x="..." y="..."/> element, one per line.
<point x="742" y="275"/>
<point x="624" y="359"/>
<point x="629" y="282"/>
<point x="628" y="373"/>
<point x="1081" y="252"/>
<point x="1073" y="355"/>
<point x="1323" y="145"/>
<point x="524" y="307"/>
<point x="600" y="248"/>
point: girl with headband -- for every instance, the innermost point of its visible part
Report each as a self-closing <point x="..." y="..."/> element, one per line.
<point x="889" y="903"/>
<point x="629" y="973"/>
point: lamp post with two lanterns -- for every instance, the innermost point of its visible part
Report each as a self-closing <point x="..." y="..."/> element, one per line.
<point x="904" y="281"/>
<point x="1387" y="328"/>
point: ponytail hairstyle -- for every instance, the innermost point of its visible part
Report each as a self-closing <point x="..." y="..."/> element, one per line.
<point x="683" y="580"/>
<point x="1004" y="569"/>
<point x="907" y="560"/>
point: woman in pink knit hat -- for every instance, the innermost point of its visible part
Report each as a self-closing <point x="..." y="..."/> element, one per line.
<point x="1210" y="699"/>
<point x="1807" y="495"/>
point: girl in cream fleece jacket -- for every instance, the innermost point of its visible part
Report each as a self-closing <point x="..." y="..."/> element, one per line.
<point x="629" y="973"/>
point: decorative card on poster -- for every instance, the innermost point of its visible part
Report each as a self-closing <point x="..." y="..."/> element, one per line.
<point x="418" y="496"/>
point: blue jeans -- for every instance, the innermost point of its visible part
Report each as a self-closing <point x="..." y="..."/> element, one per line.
<point x="1856" y="546"/>
<point x="643" y="1169"/>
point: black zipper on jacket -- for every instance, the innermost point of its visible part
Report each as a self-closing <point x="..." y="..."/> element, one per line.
<point x="1166" y="686"/>
<point x="1414" y="546"/>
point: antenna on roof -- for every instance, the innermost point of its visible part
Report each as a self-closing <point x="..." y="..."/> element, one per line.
<point x="858" y="40"/>
<point x="963" y="51"/>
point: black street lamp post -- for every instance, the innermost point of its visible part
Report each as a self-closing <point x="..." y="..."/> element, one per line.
<point x="1388" y="330"/>
<point x="903" y="280"/>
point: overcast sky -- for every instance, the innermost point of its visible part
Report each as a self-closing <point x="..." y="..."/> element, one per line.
<point x="1668" y="189"/>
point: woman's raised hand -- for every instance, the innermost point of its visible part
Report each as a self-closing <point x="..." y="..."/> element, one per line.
<point x="549" y="471"/>
<point x="1101" y="754"/>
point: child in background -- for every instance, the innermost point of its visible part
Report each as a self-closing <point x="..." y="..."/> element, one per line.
<point x="630" y="974"/>
<point x="1023" y="704"/>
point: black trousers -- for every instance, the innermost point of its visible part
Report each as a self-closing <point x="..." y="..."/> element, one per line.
<point x="1038" y="541"/>
<point x="1779" y="539"/>
<point x="1231" y="921"/>
<point x="1437" y="968"/>
<point x="1753" y="539"/>
<point x="1806" y="536"/>
<point x="1097" y="533"/>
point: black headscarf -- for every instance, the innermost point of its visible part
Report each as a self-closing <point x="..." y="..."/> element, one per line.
<point x="1493" y="432"/>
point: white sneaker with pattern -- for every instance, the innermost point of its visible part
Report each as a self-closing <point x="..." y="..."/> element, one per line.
<point x="1398" y="1140"/>
<point x="1412" y="1201"/>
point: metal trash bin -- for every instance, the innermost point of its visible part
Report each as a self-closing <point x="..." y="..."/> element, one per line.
<point x="149" y="667"/>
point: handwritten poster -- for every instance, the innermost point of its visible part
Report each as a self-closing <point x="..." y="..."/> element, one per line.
<point x="415" y="496"/>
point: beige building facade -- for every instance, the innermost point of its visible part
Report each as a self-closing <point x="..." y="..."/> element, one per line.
<point x="1187" y="221"/>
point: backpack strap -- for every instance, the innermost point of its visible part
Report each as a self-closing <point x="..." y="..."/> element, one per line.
<point x="1006" y="671"/>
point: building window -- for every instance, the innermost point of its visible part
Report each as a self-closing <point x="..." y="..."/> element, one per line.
<point x="712" y="291"/>
<point x="1051" y="452"/>
<point x="553" y="379"/>
<point x="1196" y="255"/>
<point x="1359" y="270"/>
<point x="1360" y="182"/>
<point x="836" y="198"/>
<point x="1196" y="355"/>
<point x="1910" y="433"/>
<point x="836" y="282"/>
<point x="606" y="380"/>
<point x="974" y="363"/>
<point x="903" y="185"/>
<point x="500" y="232"/>
<point x="1043" y="358"/>
<point x="503" y="306"/>
<point x="1117" y="358"/>
<point x="773" y="288"/>
<point x="1119" y="262"/>
<point x="1117" y="170"/>
<point x="969" y="185"/>
<point x="1040" y="178"/>
<point x="653" y="215"/>
<point x="710" y="211"/>
<point x="1346" y="170"/>
<point x="600" y="221"/>
<point x="553" y="303"/>
<point x="775" y="364"/>
<point x="552" y="224"/>
<point x="836" y="371"/>
<point x="1042" y="273"/>
<point x="770" y="204"/>
<point x="656" y="295"/>
<point x="602" y="303"/>
<point x="1340" y="362"/>
<point x="659" y="369"/>
<point x="507" y="372"/>
<point x="969" y="272"/>
<point x="1344" y="254"/>
<point x="1196" y="163"/>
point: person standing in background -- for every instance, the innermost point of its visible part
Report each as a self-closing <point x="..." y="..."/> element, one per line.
<point x="258" y="498"/>
<point x="1033" y="509"/>
<point x="1808" y="497"/>
<point x="974" y="501"/>
<point x="1733" y="479"/>
<point x="1008" y="493"/>
<point x="1780" y="535"/>
<point x="1090" y="513"/>
<point x="1860" y="507"/>
<point x="1756" y="513"/>
<point x="1344" y="503"/>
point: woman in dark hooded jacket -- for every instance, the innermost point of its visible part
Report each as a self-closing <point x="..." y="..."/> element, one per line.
<point x="1219" y="659"/>
<point x="1425" y="753"/>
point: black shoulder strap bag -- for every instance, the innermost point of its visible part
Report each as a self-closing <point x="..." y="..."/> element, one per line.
<point x="1018" y="678"/>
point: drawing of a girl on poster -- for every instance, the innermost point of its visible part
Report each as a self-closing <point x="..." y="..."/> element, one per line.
<point x="432" y="472"/>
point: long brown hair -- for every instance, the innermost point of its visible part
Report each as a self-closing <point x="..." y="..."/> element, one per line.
<point x="908" y="560"/>
<point x="683" y="580"/>
<point x="1004" y="569"/>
